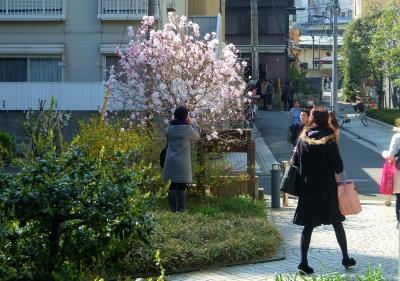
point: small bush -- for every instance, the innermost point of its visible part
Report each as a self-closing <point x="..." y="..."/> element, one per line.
<point x="63" y="215"/>
<point x="215" y="172"/>
<point x="389" y="116"/>
<point x="7" y="148"/>
<point x="96" y="137"/>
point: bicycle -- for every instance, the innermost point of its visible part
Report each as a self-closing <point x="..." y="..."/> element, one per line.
<point x="359" y="109"/>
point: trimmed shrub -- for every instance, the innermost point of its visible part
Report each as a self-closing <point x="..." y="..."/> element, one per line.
<point x="389" y="116"/>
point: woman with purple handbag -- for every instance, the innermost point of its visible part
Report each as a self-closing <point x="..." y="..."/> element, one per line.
<point x="318" y="159"/>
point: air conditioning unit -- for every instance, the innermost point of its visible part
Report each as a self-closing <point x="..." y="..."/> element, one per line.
<point x="171" y="5"/>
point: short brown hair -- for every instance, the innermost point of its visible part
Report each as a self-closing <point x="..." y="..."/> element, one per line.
<point x="319" y="116"/>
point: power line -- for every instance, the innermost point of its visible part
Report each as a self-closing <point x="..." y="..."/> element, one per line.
<point x="126" y="23"/>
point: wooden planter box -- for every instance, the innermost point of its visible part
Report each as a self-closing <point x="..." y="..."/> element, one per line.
<point x="238" y="186"/>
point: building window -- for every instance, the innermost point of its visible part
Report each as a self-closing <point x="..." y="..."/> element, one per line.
<point x="276" y="24"/>
<point x="238" y="22"/>
<point x="13" y="70"/>
<point x="263" y="24"/>
<point x="112" y="60"/>
<point x="30" y="70"/>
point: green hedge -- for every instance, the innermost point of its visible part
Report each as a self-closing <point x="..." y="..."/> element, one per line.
<point x="389" y="116"/>
<point x="212" y="232"/>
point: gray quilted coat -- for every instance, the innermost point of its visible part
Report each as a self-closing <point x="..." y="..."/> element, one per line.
<point x="178" y="162"/>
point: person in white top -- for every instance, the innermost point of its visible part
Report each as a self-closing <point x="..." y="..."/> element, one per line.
<point x="390" y="155"/>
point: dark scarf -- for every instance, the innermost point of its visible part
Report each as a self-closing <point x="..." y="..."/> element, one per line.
<point x="178" y="122"/>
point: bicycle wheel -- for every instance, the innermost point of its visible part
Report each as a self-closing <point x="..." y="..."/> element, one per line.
<point x="340" y="118"/>
<point x="363" y="119"/>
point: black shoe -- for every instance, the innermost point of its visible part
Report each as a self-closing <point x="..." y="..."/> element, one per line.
<point x="304" y="269"/>
<point x="348" y="262"/>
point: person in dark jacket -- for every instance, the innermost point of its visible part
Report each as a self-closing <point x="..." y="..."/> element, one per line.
<point x="178" y="165"/>
<point x="318" y="159"/>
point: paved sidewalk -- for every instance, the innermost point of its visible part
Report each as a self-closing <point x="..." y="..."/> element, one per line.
<point x="372" y="240"/>
<point x="376" y="135"/>
<point x="372" y="236"/>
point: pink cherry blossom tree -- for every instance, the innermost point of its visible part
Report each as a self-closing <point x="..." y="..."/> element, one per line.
<point x="162" y="69"/>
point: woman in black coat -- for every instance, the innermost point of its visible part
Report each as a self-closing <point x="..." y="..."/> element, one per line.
<point x="318" y="159"/>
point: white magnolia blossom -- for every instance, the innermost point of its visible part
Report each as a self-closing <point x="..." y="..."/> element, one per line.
<point x="162" y="69"/>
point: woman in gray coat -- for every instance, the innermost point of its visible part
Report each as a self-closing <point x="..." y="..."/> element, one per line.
<point x="178" y="164"/>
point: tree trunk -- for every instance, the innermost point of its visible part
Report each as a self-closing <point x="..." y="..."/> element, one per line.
<point x="54" y="241"/>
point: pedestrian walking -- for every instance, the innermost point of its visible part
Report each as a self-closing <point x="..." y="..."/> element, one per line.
<point x="269" y="95"/>
<point x="285" y="96"/>
<point x="180" y="133"/>
<point x="318" y="158"/>
<point x="390" y="155"/>
<point x="264" y="93"/>
<point x="304" y="118"/>
<point x="294" y="122"/>
<point x="291" y="94"/>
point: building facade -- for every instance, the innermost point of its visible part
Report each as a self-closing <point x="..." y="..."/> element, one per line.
<point x="64" y="48"/>
<point x="273" y="21"/>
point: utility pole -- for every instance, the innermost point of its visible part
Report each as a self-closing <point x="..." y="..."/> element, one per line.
<point x="254" y="40"/>
<point x="334" y="90"/>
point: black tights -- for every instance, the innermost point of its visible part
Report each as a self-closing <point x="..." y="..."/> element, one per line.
<point x="398" y="206"/>
<point x="306" y="239"/>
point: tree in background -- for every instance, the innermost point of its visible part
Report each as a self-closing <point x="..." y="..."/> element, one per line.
<point x="386" y="42"/>
<point x="371" y="51"/>
<point x="357" y="64"/>
<point x="162" y="69"/>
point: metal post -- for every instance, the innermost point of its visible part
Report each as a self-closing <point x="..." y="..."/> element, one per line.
<point x="313" y="56"/>
<point x="334" y="91"/>
<point x="275" y="184"/>
<point x="285" y="196"/>
<point x="254" y="40"/>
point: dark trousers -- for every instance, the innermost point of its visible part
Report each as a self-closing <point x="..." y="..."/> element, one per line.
<point x="398" y="206"/>
<point x="176" y="196"/>
<point x="264" y="99"/>
<point x="295" y="130"/>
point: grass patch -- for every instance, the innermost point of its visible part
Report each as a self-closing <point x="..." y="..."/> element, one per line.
<point x="389" y="116"/>
<point x="372" y="274"/>
<point x="212" y="232"/>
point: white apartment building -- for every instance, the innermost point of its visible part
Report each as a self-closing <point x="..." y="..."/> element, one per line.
<point x="63" y="48"/>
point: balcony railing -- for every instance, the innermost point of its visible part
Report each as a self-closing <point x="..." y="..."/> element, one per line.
<point x="17" y="10"/>
<point x="69" y="95"/>
<point x="123" y="9"/>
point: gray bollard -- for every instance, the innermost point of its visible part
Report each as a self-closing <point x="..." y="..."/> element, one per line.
<point x="275" y="184"/>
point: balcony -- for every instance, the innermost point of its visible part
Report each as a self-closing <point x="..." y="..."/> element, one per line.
<point x="32" y="10"/>
<point x="122" y="9"/>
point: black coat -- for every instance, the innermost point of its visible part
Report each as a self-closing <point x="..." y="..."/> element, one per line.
<point x="318" y="159"/>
